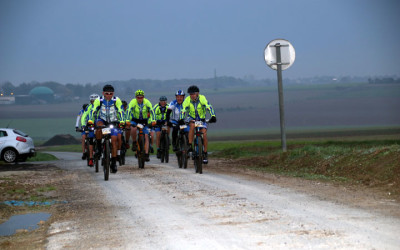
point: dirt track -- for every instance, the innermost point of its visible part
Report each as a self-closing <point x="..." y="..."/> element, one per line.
<point x="165" y="207"/>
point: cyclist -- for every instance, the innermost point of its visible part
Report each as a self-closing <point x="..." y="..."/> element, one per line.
<point x="140" y="111"/>
<point x="125" y="108"/>
<point x="84" y="120"/>
<point x="83" y="134"/>
<point x="107" y="110"/>
<point x="175" y="108"/>
<point x="194" y="108"/>
<point x="160" y="112"/>
<point x="120" y="131"/>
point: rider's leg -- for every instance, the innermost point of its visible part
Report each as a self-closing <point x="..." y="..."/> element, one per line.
<point x="174" y="138"/>
<point x="127" y="135"/>
<point x="205" y="140"/>
<point x="205" y="143"/>
<point x="146" y="144"/>
<point x="191" y="132"/>
<point x="83" y="142"/>
<point x="114" y="142"/>
<point x="119" y="143"/>
<point x="133" y="135"/>
<point x="158" y="133"/>
<point x="83" y="146"/>
<point x="98" y="136"/>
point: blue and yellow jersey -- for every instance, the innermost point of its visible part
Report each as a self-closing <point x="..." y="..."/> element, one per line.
<point x="109" y="111"/>
<point x="196" y="109"/>
<point x="160" y="112"/>
<point x="136" y="111"/>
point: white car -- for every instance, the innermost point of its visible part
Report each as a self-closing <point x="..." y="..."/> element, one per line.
<point x="15" y="145"/>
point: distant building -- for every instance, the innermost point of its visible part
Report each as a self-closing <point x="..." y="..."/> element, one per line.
<point x="7" y="100"/>
<point x="42" y="95"/>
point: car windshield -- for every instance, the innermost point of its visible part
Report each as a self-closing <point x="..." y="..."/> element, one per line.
<point x="19" y="132"/>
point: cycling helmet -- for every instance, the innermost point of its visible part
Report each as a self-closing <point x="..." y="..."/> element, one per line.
<point x="84" y="106"/>
<point x="193" y="89"/>
<point x="124" y="103"/>
<point x="94" y="97"/>
<point x="108" y="88"/>
<point x="163" y="98"/>
<point x="180" y="92"/>
<point x="139" y="92"/>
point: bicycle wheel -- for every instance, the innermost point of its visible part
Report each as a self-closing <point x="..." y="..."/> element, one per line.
<point x="162" y="148"/>
<point x="106" y="166"/>
<point x="184" y="148"/>
<point x="199" y="155"/>
<point x="122" y="155"/>
<point x="95" y="158"/>
<point x="179" y="158"/>
<point x="166" y="148"/>
<point x="87" y="151"/>
<point x="96" y="164"/>
<point x="141" y="151"/>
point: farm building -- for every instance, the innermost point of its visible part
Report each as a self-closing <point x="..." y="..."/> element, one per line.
<point x="42" y="95"/>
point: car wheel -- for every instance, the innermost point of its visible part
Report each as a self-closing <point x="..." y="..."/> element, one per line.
<point x="9" y="155"/>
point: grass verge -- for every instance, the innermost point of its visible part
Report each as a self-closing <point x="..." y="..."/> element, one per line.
<point x="374" y="163"/>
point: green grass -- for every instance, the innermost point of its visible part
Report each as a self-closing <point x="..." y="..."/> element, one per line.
<point x="43" y="129"/>
<point x="46" y="189"/>
<point x="369" y="162"/>
<point x="40" y="156"/>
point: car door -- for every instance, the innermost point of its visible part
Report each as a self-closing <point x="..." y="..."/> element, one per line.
<point x="3" y="139"/>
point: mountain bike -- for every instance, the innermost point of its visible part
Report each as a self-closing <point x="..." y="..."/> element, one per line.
<point x="107" y="149"/>
<point x="140" y="150"/>
<point x="123" y="148"/>
<point x="197" y="154"/>
<point x="164" y="144"/>
<point x="182" y="141"/>
<point x="87" y="143"/>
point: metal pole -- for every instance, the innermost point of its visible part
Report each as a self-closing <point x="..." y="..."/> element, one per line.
<point x="280" y="92"/>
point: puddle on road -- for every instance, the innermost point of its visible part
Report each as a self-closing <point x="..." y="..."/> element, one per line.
<point x="24" y="221"/>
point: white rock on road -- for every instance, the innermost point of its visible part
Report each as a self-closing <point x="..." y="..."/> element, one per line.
<point x="164" y="207"/>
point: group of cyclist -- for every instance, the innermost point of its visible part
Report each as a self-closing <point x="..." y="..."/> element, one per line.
<point x="108" y="108"/>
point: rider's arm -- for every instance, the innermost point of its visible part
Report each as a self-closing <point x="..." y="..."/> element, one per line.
<point x="152" y="117"/>
<point x="168" y="116"/>
<point x="207" y="104"/>
<point x="118" y="104"/>
<point x="129" y="110"/>
<point x="185" y="108"/>
<point x="85" y="115"/>
<point x="92" y="117"/>
<point x="78" y="118"/>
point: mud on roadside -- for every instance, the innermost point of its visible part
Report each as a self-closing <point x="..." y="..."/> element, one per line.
<point x="47" y="182"/>
<point x="40" y="182"/>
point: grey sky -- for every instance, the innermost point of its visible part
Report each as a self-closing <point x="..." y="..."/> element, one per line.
<point x="79" y="41"/>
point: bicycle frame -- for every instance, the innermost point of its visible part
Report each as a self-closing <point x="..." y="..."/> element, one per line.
<point x="107" y="149"/>
<point x="140" y="151"/>
<point x="197" y="154"/>
<point x="164" y="144"/>
<point x="183" y="147"/>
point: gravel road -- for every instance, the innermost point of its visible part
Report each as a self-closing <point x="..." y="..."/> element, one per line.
<point x="164" y="207"/>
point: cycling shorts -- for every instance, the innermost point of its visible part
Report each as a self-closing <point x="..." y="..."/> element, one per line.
<point x="114" y="131"/>
<point x="204" y="123"/>
<point x="146" y="129"/>
<point x="187" y="129"/>
<point x="91" y="133"/>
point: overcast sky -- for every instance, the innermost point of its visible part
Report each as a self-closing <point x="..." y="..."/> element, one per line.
<point x="92" y="41"/>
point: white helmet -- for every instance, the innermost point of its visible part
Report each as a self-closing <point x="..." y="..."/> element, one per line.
<point x="94" y="97"/>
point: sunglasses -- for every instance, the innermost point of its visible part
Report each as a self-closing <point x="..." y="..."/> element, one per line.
<point x="139" y="97"/>
<point x="108" y="93"/>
